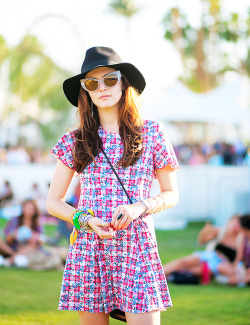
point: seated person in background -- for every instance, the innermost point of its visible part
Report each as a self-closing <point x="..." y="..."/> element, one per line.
<point x="241" y="275"/>
<point x="22" y="233"/>
<point x="222" y="251"/>
<point x="6" y="194"/>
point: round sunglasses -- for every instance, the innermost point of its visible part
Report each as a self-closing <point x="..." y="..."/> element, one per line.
<point x="110" y="80"/>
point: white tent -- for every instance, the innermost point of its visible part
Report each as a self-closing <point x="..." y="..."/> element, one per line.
<point x="227" y="104"/>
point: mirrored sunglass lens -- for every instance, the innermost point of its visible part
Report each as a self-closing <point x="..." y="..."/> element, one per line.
<point x="111" y="81"/>
<point x="91" y="85"/>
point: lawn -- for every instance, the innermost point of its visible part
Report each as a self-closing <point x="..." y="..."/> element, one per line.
<point x="31" y="297"/>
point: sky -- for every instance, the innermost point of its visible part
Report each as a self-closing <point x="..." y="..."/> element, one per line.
<point x="74" y="26"/>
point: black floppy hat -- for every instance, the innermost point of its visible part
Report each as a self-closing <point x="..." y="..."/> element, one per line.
<point x="102" y="57"/>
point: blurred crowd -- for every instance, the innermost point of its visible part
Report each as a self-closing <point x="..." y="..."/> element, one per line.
<point x="23" y="241"/>
<point x="21" y="155"/>
<point x="219" y="153"/>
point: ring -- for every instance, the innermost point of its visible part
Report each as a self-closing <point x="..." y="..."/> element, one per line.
<point x="119" y="216"/>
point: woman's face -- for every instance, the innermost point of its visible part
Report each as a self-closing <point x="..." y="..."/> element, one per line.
<point x="105" y="97"/>
<point x="29" y="209"/>
<point x="234" y="225"/>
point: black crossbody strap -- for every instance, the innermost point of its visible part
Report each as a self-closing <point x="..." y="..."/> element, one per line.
<point x="117" y="175"/>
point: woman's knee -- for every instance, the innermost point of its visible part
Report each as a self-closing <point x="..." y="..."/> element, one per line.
<point x="87" y="318"/>
<point x="150" y="318"/>
<point x="189" y="260"/>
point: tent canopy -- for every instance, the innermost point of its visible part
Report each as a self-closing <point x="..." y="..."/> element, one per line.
<point x="227" y="104"/>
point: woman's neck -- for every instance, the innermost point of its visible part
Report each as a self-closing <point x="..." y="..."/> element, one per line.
<point x="109" y="119"/>
<point x="27" y="222"/>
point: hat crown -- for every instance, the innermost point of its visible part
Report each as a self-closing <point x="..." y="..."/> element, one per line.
<point x="99" y="56"/>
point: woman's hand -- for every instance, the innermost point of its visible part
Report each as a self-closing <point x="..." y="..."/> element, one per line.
<point x="129" y="213"/>
<point x="102" y="229"/>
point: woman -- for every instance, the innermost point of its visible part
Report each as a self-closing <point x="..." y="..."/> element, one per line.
<point x="6" y="194"/>
<point x="113" y="263"/>
<point x="22" y="233"/>
<point x="222" y="255"/>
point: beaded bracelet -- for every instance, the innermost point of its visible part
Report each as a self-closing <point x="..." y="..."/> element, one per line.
<point x="80" y="221"/>
<point x="83" y="221"/>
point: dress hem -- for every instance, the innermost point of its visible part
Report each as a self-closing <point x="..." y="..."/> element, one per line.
<point x="116" y="307"/>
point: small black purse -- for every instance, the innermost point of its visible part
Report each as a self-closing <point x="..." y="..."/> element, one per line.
<point x="117" y="313"/>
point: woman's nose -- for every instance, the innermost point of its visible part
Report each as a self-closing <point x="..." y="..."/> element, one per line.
<point x="102" y="85"/>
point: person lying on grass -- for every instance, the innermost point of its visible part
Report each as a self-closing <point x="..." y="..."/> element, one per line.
<point x="223" y="253"/>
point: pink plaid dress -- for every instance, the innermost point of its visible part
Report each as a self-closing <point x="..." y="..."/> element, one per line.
<point x="124" y="272"/>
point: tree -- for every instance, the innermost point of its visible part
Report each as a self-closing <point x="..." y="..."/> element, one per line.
<point x="207" y="52"/>
<point x="34" y="88"/>
<point x="125" y="8"/>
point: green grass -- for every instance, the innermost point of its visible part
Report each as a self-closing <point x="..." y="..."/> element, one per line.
<point x="31" y="297"/>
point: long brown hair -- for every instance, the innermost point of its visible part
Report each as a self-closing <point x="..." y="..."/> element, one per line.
<point x="88" y="142"/>
<point x="35" y="216"/>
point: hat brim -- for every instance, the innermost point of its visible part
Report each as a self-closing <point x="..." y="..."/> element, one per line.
<point x="71" y="86"/>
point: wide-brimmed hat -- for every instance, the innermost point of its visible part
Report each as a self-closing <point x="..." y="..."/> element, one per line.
<point x="102" y="57"/>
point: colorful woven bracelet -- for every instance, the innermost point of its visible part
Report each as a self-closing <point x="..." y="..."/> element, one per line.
<point x="76" y="216"/>
<point x="80" y="219"/>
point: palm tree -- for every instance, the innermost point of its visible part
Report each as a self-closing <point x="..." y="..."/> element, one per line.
<point x="34" y="87"/>
<point x="35" y="84"/>
<point x="125" y="8"/>
<point x="202" y="50"/>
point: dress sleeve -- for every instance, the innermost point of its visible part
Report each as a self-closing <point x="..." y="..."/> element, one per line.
<point x="11" y="226"/>
<point x="163" y="153"/>
<point x="63" y="150"/>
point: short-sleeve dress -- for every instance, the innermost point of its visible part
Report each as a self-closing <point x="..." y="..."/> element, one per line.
<point x="124" y="272"/>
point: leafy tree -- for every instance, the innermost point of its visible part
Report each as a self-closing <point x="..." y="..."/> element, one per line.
<point x="34" y="88"/>
<point x="125" y="8"/>
<point x="207" y="52"/>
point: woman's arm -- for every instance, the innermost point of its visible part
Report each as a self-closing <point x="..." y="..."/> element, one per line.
<point x="239" y="249"/>
<point x="207" y="233"/>
<point x="168" y="187"/>
<point x="57" y="207"/>
<point x="55" y="204"/>
<point x="169" y="195"/>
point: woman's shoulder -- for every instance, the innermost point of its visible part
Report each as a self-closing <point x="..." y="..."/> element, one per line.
<point x="11" y="225"/>
<point x="151" y="126"/>
<point x="68" y="137"/>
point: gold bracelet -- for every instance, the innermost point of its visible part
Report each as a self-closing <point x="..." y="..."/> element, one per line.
<point x="160" y="201"/>
<point x="160" y="204"/>
<point x="153" y="210"/>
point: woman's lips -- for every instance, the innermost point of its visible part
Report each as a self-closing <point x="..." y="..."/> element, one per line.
<point x="104" y="97"/>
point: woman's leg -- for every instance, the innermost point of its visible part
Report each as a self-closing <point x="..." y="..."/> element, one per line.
<point x="226" y="268"/>
<point x="87" y="318"/>
<point x="152" y="318"/>
<point x="23" y="250"/>
<point x="185" y="263"/>
<point x="5" y="249"/>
